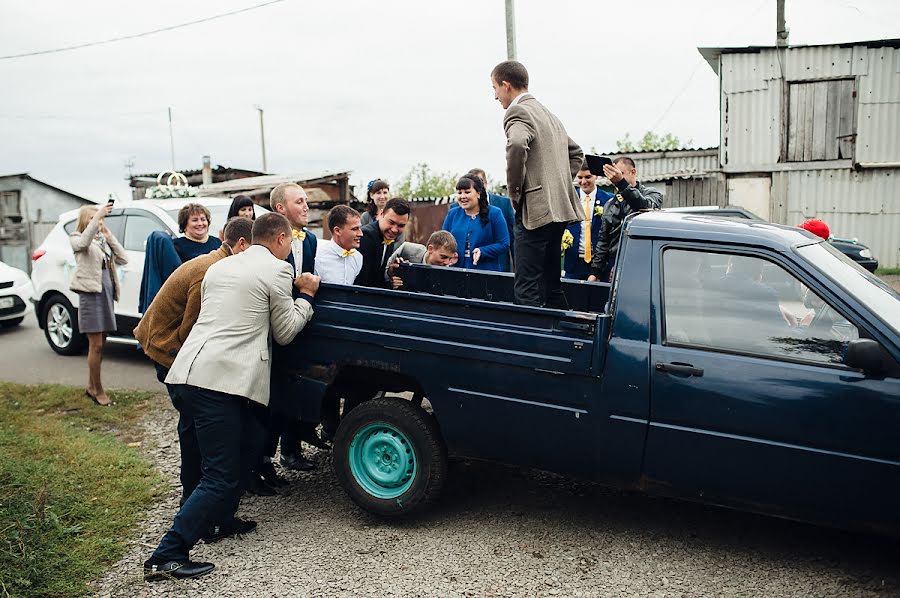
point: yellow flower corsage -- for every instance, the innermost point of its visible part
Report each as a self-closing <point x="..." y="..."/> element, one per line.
<point x="567" y="240"/>
<point x="598" y="210"/>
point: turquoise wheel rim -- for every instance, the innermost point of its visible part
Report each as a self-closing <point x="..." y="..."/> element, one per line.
<point x="382" y="461"/>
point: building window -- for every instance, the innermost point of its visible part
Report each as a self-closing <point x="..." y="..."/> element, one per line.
<point x="821" y="120"/>
<point x="10" y="212"/>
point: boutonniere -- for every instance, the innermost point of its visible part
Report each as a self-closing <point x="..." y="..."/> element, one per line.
<point x="598" y="210"/>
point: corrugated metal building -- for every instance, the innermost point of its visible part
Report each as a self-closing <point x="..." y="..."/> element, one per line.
<point x="814" y="131"/>
<point x="29" y="209"/>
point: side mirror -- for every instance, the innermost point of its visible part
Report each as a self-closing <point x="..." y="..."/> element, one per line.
<point x="866" y="355"/>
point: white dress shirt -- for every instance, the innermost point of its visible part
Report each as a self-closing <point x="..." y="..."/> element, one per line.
<point x="337" y="266"/>
<point x="517" y="98"/>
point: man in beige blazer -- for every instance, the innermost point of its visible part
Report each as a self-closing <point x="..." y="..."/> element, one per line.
<point x="541" y="163"/>
<point x="224" y="364"/>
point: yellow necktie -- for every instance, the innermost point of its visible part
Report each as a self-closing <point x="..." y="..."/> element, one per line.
<point x="298" y="234"/>
<point x="587" y="228"/>
<point x="347" y="252"/>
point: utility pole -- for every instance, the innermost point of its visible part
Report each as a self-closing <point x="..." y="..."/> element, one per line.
<point x="781" y="30"/>
<point x="171" y="139"/>
<point x="510" y="30"/>
<point x="262" y="138"/>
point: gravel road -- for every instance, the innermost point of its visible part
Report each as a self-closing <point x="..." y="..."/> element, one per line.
<point x="505" y="532"/>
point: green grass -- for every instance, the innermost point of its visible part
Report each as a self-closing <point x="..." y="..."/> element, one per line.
<point x="71" y="489"/>
<point x="888" y="271"/>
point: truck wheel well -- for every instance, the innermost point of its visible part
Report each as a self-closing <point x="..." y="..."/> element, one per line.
<point x="373" y="380"/>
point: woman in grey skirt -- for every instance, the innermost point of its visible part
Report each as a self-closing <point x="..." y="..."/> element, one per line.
<point x="97" y="252"/>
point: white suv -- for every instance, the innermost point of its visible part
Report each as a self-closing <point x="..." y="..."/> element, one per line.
<point x="131" y="222"/>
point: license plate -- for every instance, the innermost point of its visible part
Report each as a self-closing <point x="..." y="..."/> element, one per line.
<point x="6" y="302"/>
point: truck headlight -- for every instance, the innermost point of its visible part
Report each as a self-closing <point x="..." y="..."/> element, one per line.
<point x="866" y="253"/>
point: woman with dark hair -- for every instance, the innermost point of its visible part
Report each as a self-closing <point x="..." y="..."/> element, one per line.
<point x="241" y="206"/>
<point x="377" y="195"/>
<point x="479" y="228"/>
<point x="194" y="221"/>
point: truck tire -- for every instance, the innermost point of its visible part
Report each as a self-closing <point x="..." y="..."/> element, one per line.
<point x="60" y="324"/>
<point x="389" y="457"/>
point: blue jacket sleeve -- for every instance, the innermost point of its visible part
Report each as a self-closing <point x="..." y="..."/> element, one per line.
<point x="499" y="234"/>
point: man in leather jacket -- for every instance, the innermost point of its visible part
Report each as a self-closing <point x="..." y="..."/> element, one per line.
<point x="631" y="196"/>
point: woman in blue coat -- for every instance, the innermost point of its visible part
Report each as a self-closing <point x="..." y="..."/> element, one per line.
<point x="479" y="228"/>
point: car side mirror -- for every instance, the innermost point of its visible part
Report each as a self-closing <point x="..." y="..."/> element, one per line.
<point x="866" y="355"/>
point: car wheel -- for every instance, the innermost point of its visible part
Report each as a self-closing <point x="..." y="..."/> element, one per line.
<point x="389" y="457"/>
<point x="11" y="323"/>
<point x="61" y="326"/>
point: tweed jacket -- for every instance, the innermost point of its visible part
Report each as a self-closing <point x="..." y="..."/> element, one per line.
<point x="245" y="303"/>
<point x="173" y="312"/>
<point x="88" y="275"/>
<point x="541" y="162"/>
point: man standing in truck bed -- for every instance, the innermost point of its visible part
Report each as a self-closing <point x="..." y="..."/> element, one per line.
<point x="541" y="162"/>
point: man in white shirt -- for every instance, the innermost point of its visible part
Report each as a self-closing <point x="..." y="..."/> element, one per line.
<point x="339" y="260"/>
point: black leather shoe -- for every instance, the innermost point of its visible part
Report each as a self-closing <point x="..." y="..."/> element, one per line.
<point x="270" y="476"/>
<point x="317" y="441"/>
<point x="260" y="488"/>
<point x="297" y="462"/>
<point x="235" y="527"/>
<point x="156" y="571"/>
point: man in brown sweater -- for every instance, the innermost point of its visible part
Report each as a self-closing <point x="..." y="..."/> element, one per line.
<point x="168" y="321"/>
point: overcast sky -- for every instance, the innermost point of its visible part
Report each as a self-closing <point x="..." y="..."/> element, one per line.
<point x="372" y="87"/>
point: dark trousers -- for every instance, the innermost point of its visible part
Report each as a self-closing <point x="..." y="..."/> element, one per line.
<point x="187" y="441"/>
<point x="217" y="420"/>
<point x="538" y="266"/>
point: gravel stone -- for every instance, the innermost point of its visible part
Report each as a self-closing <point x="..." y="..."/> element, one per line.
<point x="500" y="532"/>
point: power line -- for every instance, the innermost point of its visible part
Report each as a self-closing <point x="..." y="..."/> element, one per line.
<point x="144" y="34"/>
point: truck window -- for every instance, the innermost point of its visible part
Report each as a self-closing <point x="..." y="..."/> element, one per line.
<point x="746" y="304"/>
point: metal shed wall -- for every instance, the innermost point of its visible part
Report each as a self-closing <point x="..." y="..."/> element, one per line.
<point x="862" y="204"/>
<point x="656" y="166"/>
<point x="752" y="98"/>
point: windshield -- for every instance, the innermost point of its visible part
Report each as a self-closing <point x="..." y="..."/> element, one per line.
<point x="870" y="290"/>
<point x="217" y="217"/>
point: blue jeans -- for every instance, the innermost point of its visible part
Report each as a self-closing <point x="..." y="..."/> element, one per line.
<point x="217" y="420"/>
<point x="187" y="440"/>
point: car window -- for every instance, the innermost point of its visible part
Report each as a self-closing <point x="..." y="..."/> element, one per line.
<point x="747" y="304"/>
<point x="116" y="224"/>
<point x="69" y="226"/>
<point x="137" y="228"/>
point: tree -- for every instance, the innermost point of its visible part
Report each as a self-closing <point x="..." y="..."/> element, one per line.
<point x="420" y="181"/>
<point x="650" y="142"/>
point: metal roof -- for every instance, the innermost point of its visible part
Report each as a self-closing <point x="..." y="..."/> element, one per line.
<point x="265" y="183"/>
<point x="25" y="175"/>
<point x="219" y="169"/>
<point x="711" y="55"/>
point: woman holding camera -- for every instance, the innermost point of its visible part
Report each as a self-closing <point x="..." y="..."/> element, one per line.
<point x="97" y="252"/>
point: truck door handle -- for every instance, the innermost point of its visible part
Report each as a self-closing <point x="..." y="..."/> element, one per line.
<point x="679" y="368"/>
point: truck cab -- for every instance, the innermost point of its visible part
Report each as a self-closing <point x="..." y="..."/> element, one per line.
<point x="732" y="362"/>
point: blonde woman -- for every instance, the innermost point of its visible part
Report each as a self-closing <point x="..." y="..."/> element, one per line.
<point x="97" y="252"/>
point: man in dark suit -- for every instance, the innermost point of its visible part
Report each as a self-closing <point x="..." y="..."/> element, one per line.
<point x="577" y="258"/>
<point x="378" y="241"/>
<point x="290" y="200"/>
<point x="541" y="161"/>
<point x="502" y="203"/>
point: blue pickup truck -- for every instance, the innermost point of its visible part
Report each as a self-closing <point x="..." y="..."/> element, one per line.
<point x="736" y="363"/>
